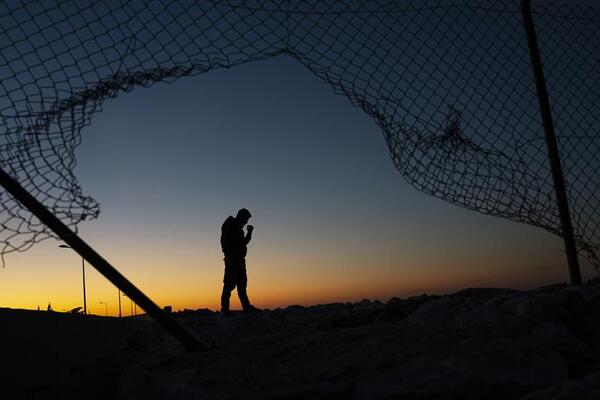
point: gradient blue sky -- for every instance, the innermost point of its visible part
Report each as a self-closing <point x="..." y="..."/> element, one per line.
<point x="334" y="219"/>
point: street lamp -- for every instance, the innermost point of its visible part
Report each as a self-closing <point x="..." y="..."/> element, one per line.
<point x="130" y="304"/>
<point x="119" y="302"/>
<point x="64" y="246"/>
<point x="105" y="307"/>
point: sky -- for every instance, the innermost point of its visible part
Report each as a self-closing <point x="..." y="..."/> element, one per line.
<point x="334" y="220"/>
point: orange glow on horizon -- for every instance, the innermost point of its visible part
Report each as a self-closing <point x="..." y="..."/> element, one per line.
<point x="279" y="283"/>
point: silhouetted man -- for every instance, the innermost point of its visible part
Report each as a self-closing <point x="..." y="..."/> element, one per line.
<point x="234" y="245"/>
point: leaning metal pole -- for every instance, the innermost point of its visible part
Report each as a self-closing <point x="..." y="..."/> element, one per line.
<point x="101" y="265"/>
<point x="555" y="164"/>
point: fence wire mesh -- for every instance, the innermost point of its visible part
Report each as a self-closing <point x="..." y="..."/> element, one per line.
<point x="449" y="83"/>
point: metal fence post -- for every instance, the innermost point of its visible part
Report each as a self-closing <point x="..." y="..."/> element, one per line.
<point x="96" y="260"/>
<point x="555" y="164"/>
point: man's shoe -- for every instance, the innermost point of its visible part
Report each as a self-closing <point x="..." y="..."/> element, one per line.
<point x="226" y="313"/>
<point x="251" y="309"/>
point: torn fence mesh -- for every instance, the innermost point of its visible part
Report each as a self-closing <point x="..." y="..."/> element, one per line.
<point x="448" y="82"/>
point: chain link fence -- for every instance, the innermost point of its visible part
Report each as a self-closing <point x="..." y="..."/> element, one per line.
<point x="449" y="83"/>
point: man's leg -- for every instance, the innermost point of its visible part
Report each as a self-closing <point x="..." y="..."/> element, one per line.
<point x="225" y="295"/>
<point x="241" y="289"/>
<point x="229" y="281"/>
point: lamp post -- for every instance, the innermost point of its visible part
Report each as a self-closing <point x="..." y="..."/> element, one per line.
<point x="130" y="304"/>
<point x="105" y="308"/>
<point x="119" y="302"/>
<point x="64" y="246"/>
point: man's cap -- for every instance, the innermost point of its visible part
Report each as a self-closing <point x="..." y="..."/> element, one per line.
<point x="244" y="213"/>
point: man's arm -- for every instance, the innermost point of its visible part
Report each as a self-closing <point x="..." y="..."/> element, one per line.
<point x="249" y="234"/>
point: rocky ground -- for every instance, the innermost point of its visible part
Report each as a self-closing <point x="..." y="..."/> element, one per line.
<point x="474" y="344"/>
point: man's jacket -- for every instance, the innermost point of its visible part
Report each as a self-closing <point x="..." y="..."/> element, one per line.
<point x="233" y="241"/>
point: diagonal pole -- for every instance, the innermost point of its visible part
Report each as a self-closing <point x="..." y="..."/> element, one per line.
<point x="96" y="260"/>
<point x="555" y="164"/>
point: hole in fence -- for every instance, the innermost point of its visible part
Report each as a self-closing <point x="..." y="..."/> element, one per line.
<point x="334" y="219"/>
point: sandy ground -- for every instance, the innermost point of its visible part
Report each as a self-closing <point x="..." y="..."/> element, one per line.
<point x="474" y="344"/>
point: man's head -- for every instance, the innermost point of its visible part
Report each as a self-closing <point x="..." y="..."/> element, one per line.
<point x="243" y="215"/>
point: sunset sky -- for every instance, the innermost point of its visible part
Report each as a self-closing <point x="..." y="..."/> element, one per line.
<point x="334" y="220"/>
